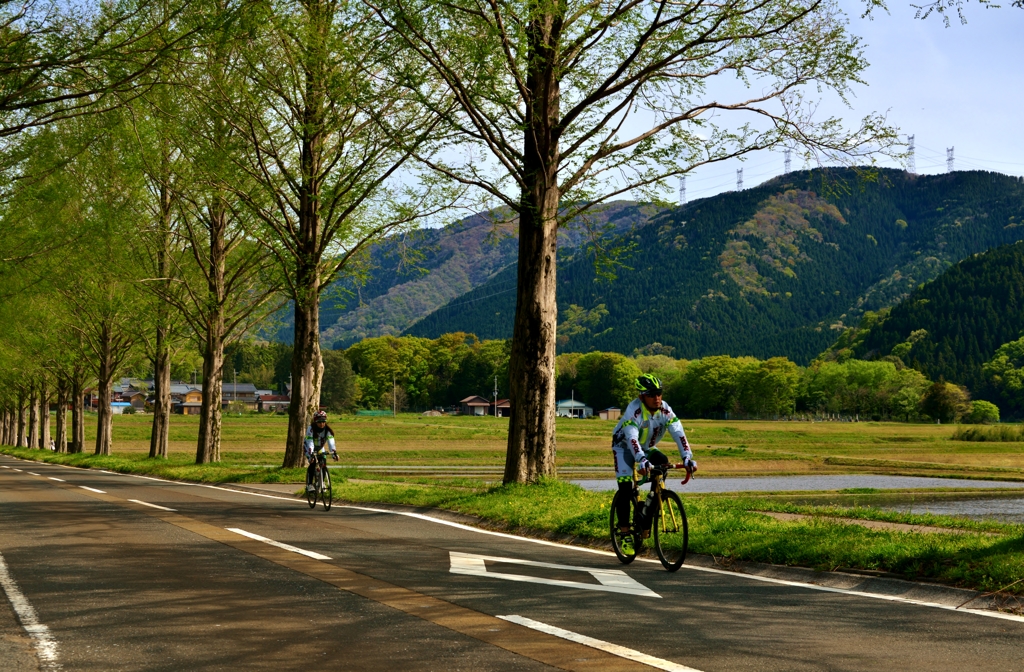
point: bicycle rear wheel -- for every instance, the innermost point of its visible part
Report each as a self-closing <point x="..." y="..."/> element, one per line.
<point x="626" y="552"/>
<point x="327" y="495"/>
<point x="311" y="494"/>
<point x="671" y="533"/>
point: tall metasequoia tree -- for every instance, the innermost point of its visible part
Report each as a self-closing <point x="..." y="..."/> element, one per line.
<point x="578" y="101"/>
<point x="321" y="86"/>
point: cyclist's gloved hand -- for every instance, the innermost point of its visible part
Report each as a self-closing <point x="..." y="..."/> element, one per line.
<point x="335" y="456"/>
<point x="643" y="465"/>
<point x="689" y="463"/>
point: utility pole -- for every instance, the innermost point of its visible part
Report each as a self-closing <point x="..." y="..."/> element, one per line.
<point x="394" y="396"/>
<point x="949" y="159"/>
<point x="682" y="190"/>
<point x="234" y="386"/>
<point x="911" y="160"/>
<point x="739" y="179"/>
<point x="788" y="162"/>
<point x="495" y="396"/>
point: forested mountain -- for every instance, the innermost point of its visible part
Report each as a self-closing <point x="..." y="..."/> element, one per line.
<point x="410" y="276"/>
<point x="949" y="328"/>
<point x="777" y="270"/>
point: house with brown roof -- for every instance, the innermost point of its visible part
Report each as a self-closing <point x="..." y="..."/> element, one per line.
<point x="475" y="405"/>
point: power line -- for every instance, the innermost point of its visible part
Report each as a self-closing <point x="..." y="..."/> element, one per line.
<point x="739" y="179"/>
<point x="911" y="162"/>
<point x="682" y="190"/>
<point x="788" y="162"/>
<point x="949" y="160"/>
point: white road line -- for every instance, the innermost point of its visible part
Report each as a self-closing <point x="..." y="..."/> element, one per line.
<point x="46" y="646"/>
<point x="614" y="649"/>
<point x="293" y="549"/>
<point x="13" y="469"/>
<point x="4" y="466"/>
<point x="86" y="487"/>
<point x="54" y="478"/>
<point x="32" y="472"/>
<point x="155" y="506"/>
<point x="582" y="549"/>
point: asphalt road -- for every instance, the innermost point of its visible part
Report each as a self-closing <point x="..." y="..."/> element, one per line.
<point x="117" y="584"/>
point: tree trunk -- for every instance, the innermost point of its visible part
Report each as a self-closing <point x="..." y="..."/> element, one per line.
<point x="61" y="426"/>
<point x="307" y="364"/>
<point x="77" y="416"/>
<point x="104" y="419"/>
<point x="531" y="436"/>
<point x="33" y="416"/>
<point x="208" y="447"/>
<point x="5" y="427"/>
<point x="162" y="357"/>
<point x="307" y="374"/>
<point x="22" y="420"/>
<point x="162" y="396"/>
<point x="44" y="415"/>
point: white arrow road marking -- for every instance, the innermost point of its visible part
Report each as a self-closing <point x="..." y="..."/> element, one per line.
<point x="614" y="649"/>
<point x="293" y="549"/>
<point x="155" y="506"/>
<point x="612" y="580"/>
<point x="46" y="647"/>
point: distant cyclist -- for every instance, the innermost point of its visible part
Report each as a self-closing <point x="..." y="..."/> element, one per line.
<point x="642" y="426"/>
<point x="318" y="435"/>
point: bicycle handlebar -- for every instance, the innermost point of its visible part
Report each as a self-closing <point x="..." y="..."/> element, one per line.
<point x="681" y="465"/>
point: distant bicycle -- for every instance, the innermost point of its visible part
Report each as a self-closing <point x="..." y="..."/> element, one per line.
<point x="662" y="513"/>
<point x="321" y="483"/>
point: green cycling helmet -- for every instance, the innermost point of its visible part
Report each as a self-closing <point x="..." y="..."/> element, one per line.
<point x="648" y="384"/>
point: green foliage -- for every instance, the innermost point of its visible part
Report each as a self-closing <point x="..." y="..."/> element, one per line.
<point x="339" y="391"/>
<point x="436" y="372"/>
<point x="681" y="296"/>
<point x="946" y="402"/>
<point x="606" y="379"/>
<point x="961" y="327"/>
<point x="1004" y="433"/>
<point x="982" y="413"/>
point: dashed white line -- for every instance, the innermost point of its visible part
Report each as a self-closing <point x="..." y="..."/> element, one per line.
<point x="13" y="469"/>
<point x="582" y="549"/>
<point x="46" y="646"/>
<point x="155" y="506"/>
<point x="293" y="549"/>
<point x="607" y="647"/>
<point x="54" y="478"/>
<point x="86" y="487"/>
<point x="32" y="473"/>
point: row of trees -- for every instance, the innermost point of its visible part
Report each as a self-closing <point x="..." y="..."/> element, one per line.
<point x="244" y="151"/>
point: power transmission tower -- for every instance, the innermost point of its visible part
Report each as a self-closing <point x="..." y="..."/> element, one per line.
<point x="682" y="190"/>
<point x="788" y="163"/>
<point x="911" y="161"/>
<point x="739" y="179"/>
<point x="949" y="159"/>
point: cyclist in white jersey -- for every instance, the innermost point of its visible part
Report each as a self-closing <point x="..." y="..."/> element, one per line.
<point x="644" y="423"/>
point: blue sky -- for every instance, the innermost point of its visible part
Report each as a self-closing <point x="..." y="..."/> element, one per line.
<point x="958" y="87"/>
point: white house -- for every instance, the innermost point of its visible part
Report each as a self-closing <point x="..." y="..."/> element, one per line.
<point x="571" y="408"/>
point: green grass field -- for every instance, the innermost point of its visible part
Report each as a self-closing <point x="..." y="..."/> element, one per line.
<point x="723" y="448"/>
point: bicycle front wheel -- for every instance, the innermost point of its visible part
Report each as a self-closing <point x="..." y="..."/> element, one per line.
<point x="327" y="495"/>
<point x="312" y="493"/>
<point x="671" y="533"/>
<point x="624" y="544"/>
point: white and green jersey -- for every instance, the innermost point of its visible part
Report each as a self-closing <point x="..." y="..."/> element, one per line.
<point x="639" y="430"/>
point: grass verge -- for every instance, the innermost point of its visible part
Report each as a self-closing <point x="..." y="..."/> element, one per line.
<point x="727" y="527"/>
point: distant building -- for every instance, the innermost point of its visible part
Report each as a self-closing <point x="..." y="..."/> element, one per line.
<point x="271" y="403"/>
<point x="501" y="408"/>
<point x="118" y="407"/>
<point x="190" y="402"/>
<point x="241" y="392"/>
<point x="612" y="413"/>
<point x="571" y="408"/>
<point x="136" y="398"/>
<point x="475" y="405"/>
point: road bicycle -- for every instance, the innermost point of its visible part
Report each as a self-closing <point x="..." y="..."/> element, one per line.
<point x="662" y="513"/>
<point x="321" y="483"/>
